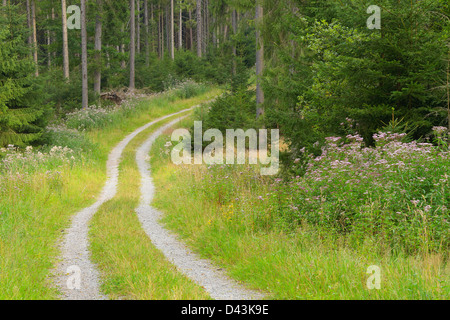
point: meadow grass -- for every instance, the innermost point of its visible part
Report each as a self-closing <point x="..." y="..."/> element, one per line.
<point x="38" y="199"/>
<point x="229" y="214"/>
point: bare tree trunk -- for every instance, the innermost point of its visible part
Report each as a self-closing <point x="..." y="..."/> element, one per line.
<point x="159" y="32"/>
<point x="30" y="37"/>
<point x="53" y="33"/>
<point x="98" y="49"/>
<point x="132" y="45"/>
<point x="138" y="26"/>
<point x="205" y="26"/>
<point x="259" y="60"/>
<point x="167" y="27"/>
<point x="152" y="17"/>
<point x="65" y="41"/>
<point x="49" y="42"/>
<point x="191" y="33"/>
<point x="214" y="32"/>
<point x="35" y="45"/>
<point x="162" y="44"/>
<point x="147" y="45"/>
<point x="123" y="64"/>
<point x="234" y="25"/>
<point x="84" y="73"/>
<point x="199" y="28"/>
<point x="180" y="32"/>
<point x="172" y="33"/>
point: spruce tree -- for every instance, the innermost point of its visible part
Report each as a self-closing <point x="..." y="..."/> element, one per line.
<point x="21" y="108"/>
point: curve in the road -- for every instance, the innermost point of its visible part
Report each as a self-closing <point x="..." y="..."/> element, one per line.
<point x="76" y="276"/>
<point x="202" y="271"/>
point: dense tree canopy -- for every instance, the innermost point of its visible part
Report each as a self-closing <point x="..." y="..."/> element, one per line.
<point x="317" y="63"/>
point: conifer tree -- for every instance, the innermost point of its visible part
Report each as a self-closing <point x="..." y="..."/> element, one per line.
<point x="21" y="108"/>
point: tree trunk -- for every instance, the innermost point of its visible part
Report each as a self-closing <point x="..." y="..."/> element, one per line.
<point x="132" y="45"/>
<point x="138" y="26"/>
<point x="84" y="73"/>
<point x="167" y="27"/>
<point x="98" y="49"/>
<point x="180" y="32"/>
<point x="65" y="41"/>
<point x="205" y="26"/>
<point x="53" y="33"/>
<point x="49" y="42"/>
<point x="123" y="64"/>
<point x="234" y="25"/>
<point x="199" y="28"/>
<point x="147" y="45"/>
<point x="35" y="45"/>
<point x="172" y="31"/>
<point x="161" y="30"/>
<point x="259" y="60"/>
<point x="30" y="37"/>
<point x="152" y="17"/>
<point x="191" y="33"/>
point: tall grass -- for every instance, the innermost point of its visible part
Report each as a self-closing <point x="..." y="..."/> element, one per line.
<point x="314" y="237"/>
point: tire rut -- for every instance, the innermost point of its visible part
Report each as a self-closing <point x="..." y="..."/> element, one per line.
<point x="76" y="276"/>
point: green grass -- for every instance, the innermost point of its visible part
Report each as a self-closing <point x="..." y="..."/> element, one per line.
<point x="219" y="216"/>
<point x="36" y="206"/>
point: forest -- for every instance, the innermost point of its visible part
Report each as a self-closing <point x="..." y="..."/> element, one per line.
<point x="358" y="90"/>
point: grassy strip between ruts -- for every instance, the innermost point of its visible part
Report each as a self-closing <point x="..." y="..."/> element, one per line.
<point x="35" y="208"/>
<point x="303" y="264"/>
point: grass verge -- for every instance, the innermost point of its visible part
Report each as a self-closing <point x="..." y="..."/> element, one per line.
<point x="216" y="210"/>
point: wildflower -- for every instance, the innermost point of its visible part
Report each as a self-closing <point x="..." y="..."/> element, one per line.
<point x="427" y="208"/>
<point x="333" y="139"/>
<point x="439" y="130"/>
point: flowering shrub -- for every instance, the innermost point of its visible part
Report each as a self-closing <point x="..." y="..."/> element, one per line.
<point x="89" y="118"/>
<point x="442" y="135"/>
<point x="16" y="162"/>
<point x="397" y="191"/>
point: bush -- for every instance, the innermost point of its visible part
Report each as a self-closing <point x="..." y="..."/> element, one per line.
<point x="397" y="192"/>
<point x="230" y="111"/>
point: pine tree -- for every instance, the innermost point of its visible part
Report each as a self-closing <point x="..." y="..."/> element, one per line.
<point x="21" y="108"/>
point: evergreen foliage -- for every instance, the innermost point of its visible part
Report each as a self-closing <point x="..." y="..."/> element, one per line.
<point x="22" y="112"/>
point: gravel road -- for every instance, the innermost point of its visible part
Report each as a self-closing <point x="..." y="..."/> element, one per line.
<point x="76" y="276"/>
<point x="203" y="272"/>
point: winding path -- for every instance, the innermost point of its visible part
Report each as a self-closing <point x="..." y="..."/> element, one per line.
<point x="76" y="276"/>
<point x="213" y="280"/>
